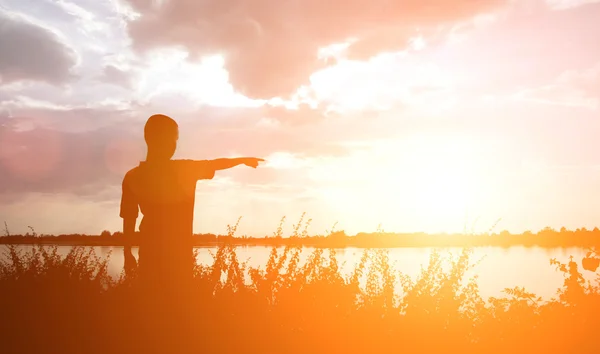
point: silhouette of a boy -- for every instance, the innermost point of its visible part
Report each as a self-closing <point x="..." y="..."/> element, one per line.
<point x="164" y="191"/>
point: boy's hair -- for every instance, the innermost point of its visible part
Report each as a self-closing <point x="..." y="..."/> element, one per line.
<point x="160" y="127"/>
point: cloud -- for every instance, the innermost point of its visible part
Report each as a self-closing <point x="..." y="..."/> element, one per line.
<point x="114" y="75"/>
<point x="383" y="82"/>
<point x="52" y="148"/>
<point x="587" y="80"/>
<point x="48" y="147"/>
<point x="271" y="47"/>
<point x="560" y="96"/>
<point x="31" y="51"/>
<point x="523" y="48"/>
<point x="567" y="4"/>
<point x="573" y="88"/>
<point x="211" y="132"/>
<point x="300" y="115"/>
<point x="169" y="72"/>
<point x="35" y="156"/>
<point x="35" y="113"/>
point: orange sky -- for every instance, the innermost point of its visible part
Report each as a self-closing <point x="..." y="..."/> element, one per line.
<point x="420" y="117"/>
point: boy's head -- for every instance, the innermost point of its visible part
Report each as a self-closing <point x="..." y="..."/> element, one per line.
<point x="161" y="134"/>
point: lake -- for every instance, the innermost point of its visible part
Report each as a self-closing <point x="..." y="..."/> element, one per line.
<point x="498" y="268"/>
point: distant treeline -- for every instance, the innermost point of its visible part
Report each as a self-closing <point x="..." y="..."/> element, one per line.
<point x="545" y="238"/>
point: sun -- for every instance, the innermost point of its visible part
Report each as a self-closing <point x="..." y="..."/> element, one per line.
<point x="444" y="178"/>
<point x="417" y="183"/>
<point x="444" y="194"/>
<point x="437" y="180"/>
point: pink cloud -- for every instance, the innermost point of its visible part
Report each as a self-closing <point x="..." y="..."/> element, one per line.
<point x="271" y="47"/>
<point x="573" y="88"/>
<point x="44" y="148"/>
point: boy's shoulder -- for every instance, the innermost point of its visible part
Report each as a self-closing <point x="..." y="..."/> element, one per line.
<point x="145" y="166"/>
<point x="132" y="173"/>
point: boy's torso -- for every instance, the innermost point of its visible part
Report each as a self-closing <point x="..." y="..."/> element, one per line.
<point x="166" y="196"/>
<point x="165" y="192"/>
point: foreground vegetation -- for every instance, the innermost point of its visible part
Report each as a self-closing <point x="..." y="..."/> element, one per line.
<point x="54" y="304"/>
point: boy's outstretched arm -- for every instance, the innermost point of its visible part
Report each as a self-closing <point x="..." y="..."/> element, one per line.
<point x="226" y="163"/>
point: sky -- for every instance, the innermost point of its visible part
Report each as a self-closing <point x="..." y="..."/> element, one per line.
<point x="410" y="116"/>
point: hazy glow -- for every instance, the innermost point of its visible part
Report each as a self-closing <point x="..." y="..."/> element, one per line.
<point x="418" y="122"/>
<point x="435" y="176"/>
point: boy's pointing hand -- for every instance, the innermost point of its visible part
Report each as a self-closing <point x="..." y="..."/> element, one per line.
<point x="252" y="161"/>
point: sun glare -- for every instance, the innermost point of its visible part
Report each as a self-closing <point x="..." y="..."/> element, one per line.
<point x="437" y="175"/>
<point x="445" y="193"/>
<point x="407" y="183"/>
<point x="382" y="82"/>
<point x="206" y="81"/>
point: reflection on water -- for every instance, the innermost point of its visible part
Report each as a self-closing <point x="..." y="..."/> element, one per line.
<point x="497" y="268"/>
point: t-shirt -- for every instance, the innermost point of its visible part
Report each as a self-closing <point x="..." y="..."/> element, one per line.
<point x="165" y="194"/>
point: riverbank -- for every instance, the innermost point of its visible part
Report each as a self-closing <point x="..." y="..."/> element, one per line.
<point x="589" y="240"/>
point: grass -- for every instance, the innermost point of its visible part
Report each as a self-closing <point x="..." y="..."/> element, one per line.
<point x="54" y="304"/>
